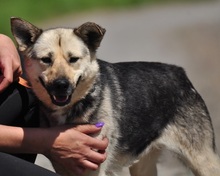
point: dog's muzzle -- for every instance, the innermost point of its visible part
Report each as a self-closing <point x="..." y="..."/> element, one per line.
<point x="60" y="91"/>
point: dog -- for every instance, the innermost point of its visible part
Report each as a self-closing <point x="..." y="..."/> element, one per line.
<point x="146" y="106"/>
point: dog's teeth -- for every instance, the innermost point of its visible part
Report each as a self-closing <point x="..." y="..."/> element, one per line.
<point x="60" y="98"/>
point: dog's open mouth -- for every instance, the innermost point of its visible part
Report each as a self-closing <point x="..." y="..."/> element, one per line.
<point x="61" y="100"/>
<point x="60" y="91"/>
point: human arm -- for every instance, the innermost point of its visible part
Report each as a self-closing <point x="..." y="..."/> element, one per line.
<point x="10" y="66"/>
<point x="69" y="146"/>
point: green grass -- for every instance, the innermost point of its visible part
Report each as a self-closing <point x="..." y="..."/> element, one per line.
<point x="41" y="10"/>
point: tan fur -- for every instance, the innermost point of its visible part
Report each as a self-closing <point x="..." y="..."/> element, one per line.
<point x="61" y="66"/>
<point x="201" y="159"/>
<point x="182" y="135"/>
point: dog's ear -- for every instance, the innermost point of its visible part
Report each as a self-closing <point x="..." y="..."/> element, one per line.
<point x="91" y="34"/>
<point x="24" y="33"/>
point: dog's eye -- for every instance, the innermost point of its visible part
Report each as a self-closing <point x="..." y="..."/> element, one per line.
<point x="46" y="60"/>
<point x="73" y="59"/>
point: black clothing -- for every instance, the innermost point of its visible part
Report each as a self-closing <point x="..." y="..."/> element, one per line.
<point x="18" y="107"/>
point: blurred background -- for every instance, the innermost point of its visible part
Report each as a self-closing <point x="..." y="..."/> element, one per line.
<point x="181" y="32"/>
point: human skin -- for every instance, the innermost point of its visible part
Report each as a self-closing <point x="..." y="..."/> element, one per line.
<point x="10" y="66"/>
<point x="70" y="146"/>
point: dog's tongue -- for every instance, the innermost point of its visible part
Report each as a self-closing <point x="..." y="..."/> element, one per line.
<point x="60" y="99"/>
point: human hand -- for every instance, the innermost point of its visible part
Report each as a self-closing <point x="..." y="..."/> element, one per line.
<point x="10" y="66"/>
<point x="75" y="150"/>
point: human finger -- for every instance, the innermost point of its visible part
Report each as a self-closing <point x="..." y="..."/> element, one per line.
<point x="7" y="79"/>
<point x="4" y="82"/>
<point x="90" y="165"/>
<point x="7" y="72"/>
<point x="90" y="129"/>
<point x="17" y="73"/>
<point x="97" y="157"/>
<point x="97" y="144"/>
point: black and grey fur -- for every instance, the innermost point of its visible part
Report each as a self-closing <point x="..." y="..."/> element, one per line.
<point x="146" y="106"/>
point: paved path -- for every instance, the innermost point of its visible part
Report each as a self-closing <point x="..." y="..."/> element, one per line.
<point x="186" y="35"/>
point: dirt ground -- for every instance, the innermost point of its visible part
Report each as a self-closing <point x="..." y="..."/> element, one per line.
<point x="187" y="35"/>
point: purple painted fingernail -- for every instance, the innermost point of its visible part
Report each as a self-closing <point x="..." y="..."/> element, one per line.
<point x="99" y="124"/>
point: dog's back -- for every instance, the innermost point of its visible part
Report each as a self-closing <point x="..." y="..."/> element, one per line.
<point x="145" y="106"/>
<point x="147" y="97"/>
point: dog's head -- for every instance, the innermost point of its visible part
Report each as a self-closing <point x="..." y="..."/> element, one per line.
<point x="60" y="63"/>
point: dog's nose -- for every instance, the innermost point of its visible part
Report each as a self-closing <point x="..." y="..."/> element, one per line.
<point x="60" y="84"/>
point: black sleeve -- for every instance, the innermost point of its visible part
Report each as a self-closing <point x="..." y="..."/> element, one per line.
<point x="19" y="107"/>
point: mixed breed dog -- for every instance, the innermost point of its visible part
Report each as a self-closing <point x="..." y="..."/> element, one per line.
<point x="146" y="106"/>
